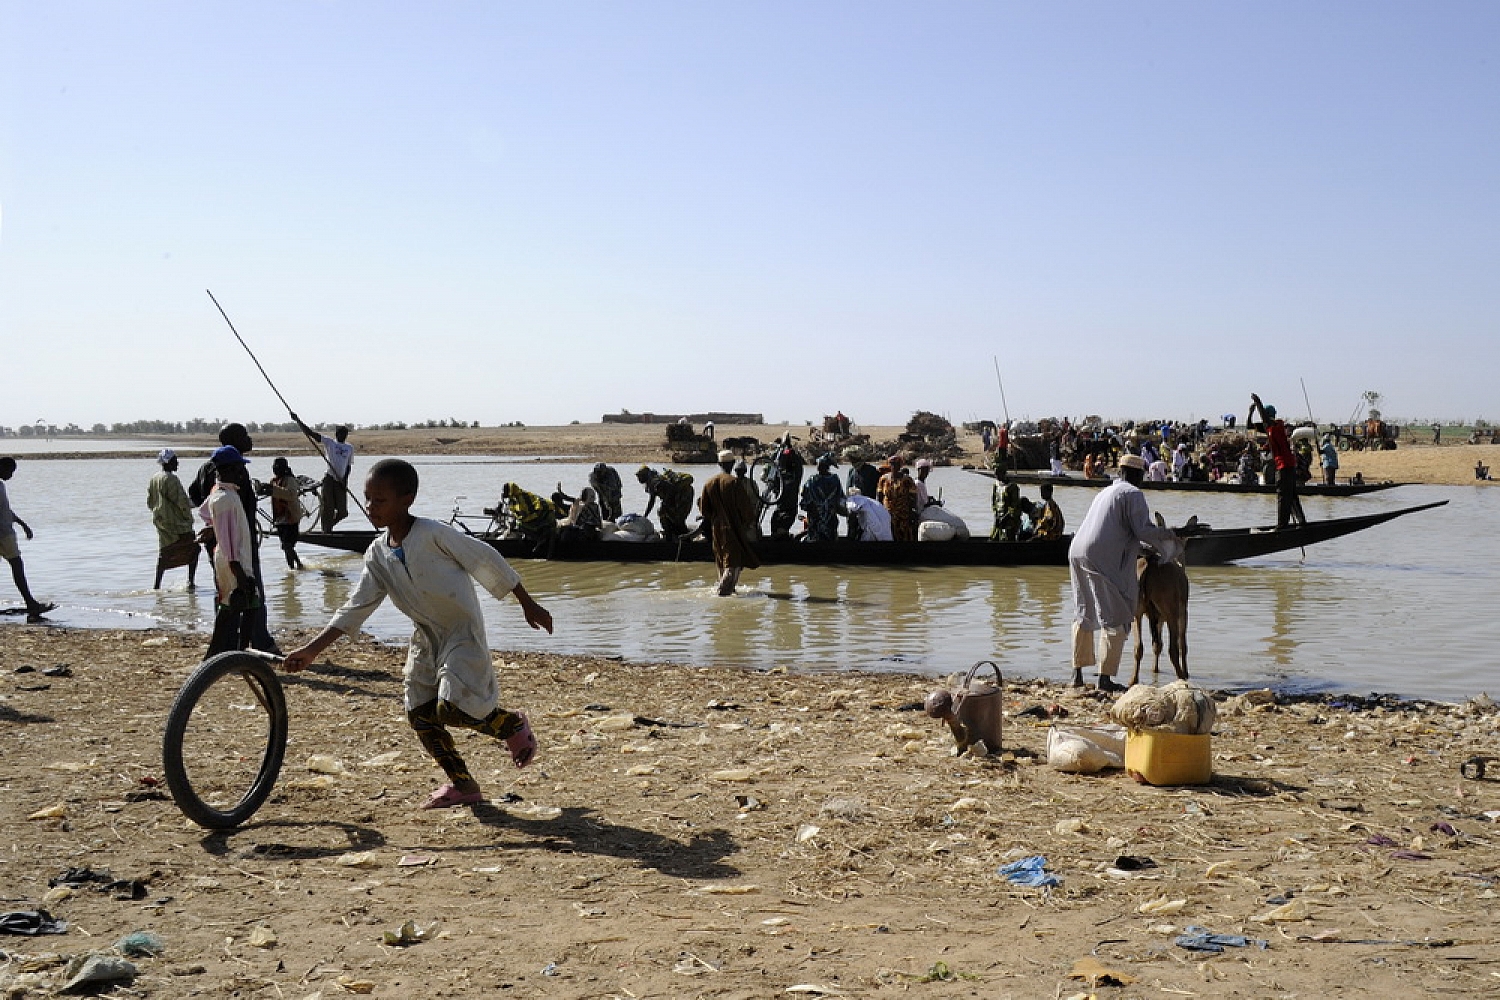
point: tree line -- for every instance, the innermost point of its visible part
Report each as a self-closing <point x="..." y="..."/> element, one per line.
<point x="199" y="425"/>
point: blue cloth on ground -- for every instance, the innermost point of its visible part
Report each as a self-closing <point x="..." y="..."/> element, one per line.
<point x="1028" y="871"/>
<point x="1203" y="939"/>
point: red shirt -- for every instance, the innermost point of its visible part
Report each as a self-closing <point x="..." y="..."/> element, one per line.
<point x="1281" y="446"/>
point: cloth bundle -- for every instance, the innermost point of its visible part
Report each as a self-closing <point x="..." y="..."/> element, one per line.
<point x="931" y="517"/>
<point x="629" y="528"/>
<point x="1176" y="708"/>
<point x="935" y="531"/>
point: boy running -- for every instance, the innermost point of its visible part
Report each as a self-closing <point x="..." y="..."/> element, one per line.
<point x="426" y="567"/>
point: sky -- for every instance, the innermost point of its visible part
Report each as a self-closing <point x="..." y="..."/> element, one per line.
<point x="545" y="212"/>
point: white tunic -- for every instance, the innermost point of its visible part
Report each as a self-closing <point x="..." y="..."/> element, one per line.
<point x="874" y="519"/>
<point x="449" y="656"/>
<point x="1101" y="558"/>
<point x="340" y="454"/>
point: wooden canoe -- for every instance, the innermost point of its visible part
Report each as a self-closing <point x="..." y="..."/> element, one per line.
<point x="1311" y="489"/>
<point x="1208" y="547"/>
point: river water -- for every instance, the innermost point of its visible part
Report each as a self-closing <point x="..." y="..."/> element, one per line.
<point x="1403" y="607"/>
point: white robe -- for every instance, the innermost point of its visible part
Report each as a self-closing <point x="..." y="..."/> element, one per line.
<point x="449" y="656"/>
<point x="874" y="519"/>
<point x="1101" y="558"/>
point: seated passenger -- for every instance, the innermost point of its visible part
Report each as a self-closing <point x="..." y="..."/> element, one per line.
<point x="1007" y="504"/>
<point x="584" y="519"/>
<point x="535" y="517"/>
<point x="1049" y="517"/>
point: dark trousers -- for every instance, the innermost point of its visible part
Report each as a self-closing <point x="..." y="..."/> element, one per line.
<point x="232" y="630"/>
<point x="1288" y="504"/>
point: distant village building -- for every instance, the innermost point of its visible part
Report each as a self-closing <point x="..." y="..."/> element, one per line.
<point x="626" y="417"/>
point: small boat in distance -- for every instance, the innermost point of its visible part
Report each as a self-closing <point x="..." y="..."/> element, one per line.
<point x="1311" y="489"/>
<point x="1205" y="547"/>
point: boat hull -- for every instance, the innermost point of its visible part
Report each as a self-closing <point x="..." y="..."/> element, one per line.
<point x="1306" y="490"/>
<point x="1209" y="547"/>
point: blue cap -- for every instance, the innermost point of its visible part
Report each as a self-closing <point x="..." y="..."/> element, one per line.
<point x="228" y="455"/>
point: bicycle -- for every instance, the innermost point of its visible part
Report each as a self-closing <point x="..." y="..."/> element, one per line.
<point x="221" y="755"/>
<point x="309" y="495"/>
<point x="770" y="475"/>
<point x="499" y="520"/>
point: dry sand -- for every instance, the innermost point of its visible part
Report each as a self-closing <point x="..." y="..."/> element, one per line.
<point x="712" y="833"/>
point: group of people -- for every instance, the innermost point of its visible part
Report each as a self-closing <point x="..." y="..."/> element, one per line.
<point x="1018" y="519"/>
<point x="224" y="499"/>
<point x="884" y="503"/>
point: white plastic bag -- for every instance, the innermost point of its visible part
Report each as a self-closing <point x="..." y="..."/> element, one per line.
<point x="1085" y="749"/>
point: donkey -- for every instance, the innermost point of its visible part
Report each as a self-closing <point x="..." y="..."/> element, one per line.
<point x="1163" y="597"/>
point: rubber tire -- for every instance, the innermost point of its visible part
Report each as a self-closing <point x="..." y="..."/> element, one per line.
<point x="770" y="490"/>
<point x="208" y="673"/>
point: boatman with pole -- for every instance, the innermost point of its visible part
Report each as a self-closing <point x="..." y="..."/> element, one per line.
<point x="1288" y="504"/>
<point x="338" y="453"/>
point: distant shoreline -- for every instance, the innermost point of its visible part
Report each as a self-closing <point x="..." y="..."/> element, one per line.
<point x="1416" y="463"/>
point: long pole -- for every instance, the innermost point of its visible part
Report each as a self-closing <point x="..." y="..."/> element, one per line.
<point x="322" y="453"/>
<point x="246" y="346"/>
<point x="1307" y="401"/>
<point x="1002" y="389"/>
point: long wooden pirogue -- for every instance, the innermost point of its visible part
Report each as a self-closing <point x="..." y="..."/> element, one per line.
<point x="1208" y="547"/>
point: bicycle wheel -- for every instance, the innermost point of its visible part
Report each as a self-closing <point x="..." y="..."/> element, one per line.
<point x="310" y="496"/>
<point x="770" y="481"/>
<point x="225" y="740"/>
<point x="312" y="512"/>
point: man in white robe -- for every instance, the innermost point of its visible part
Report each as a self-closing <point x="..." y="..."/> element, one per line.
<point x="1102" y="566"/>
<point x="873" y="519"/>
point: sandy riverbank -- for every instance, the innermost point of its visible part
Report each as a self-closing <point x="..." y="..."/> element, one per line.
<point x="632" y="444"/>
<point x="711" y="833"/>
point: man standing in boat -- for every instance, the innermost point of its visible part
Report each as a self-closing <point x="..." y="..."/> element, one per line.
<point x="788" y="467"/>
<point x="339" y="454"/>
<point x="1101" y="566"/>
<point x="1288" y="506"/>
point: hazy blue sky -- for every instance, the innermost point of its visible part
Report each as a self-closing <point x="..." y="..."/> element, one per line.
<point x="545" y="212"/>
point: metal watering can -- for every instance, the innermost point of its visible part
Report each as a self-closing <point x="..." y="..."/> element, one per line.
<point x="973" y="711"/>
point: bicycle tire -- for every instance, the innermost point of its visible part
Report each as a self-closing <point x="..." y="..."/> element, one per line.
<point x="312" y="513"/>
<point x="194" y="801"/>
<point x="771" y="482"/>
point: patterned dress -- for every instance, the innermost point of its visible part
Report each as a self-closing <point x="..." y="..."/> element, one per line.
<point x="898" y="492"/>
<point x="823" y="498"/>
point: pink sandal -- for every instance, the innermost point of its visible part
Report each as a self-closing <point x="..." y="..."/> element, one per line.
<point x="447" y="797"/>
<point x="522" y="743"/>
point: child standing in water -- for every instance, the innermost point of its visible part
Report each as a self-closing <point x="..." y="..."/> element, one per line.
<point x="286" y="510"/>
<point x="426" y="567"/>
